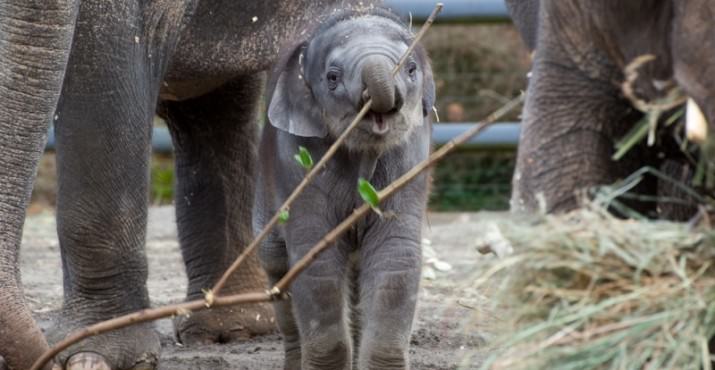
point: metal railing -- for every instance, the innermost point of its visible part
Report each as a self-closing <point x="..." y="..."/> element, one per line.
<point x="498" y="136"/>
<point x="461" y="11"/>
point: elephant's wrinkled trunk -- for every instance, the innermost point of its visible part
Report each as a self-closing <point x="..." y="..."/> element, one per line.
<point x="377" y="76"/>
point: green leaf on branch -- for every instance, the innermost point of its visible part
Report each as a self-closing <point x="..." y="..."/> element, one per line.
<point x="368" y="193"/>
<point x="303" y="158"/>
<point x="283" y="216"/>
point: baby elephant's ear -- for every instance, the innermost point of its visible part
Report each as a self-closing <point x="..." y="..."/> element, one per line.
<point x="292" y="107"/>
<point x="428" y="92"/>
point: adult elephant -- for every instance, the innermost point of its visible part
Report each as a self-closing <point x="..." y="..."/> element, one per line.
<point x="101" y="69"/>
<point x="576" y="108"/>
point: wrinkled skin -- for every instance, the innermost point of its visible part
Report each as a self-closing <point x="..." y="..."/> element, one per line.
<point x="372" y="273"/>
<point x="575" y="108"/>
<point x="101" y="70"/>
<point x="30" y="81"/>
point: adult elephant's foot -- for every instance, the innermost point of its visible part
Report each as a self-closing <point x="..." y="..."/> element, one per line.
<point x="225" y="324"/>
<point x="136" y="347"/>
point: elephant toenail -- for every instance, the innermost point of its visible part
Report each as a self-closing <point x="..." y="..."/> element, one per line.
<point x="3" y="366"/>
<point x="147" y="361"/>
<point x="87" y="361"/>
<point x="144" y="366"/>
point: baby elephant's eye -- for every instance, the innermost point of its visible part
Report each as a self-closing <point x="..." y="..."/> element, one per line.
<point x="412" y="69"/>
<point x="333" y="76"/>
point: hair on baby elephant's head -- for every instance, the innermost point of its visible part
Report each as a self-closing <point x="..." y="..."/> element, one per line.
<point x="321" y="83"/>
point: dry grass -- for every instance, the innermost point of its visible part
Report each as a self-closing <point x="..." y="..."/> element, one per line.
<point x="588" y="291"/>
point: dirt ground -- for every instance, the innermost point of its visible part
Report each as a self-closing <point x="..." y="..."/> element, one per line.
<point x="450" y="330"/>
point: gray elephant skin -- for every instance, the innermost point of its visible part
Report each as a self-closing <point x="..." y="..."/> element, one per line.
<point x="101" y="69"/>
<point x="356" y="301"/>
<point x="575" y="108"/>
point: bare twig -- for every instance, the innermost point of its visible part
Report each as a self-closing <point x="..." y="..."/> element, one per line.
<point x="144" y="316"/>
<point x="319" y="166"/>
<point x="302" y="264"/>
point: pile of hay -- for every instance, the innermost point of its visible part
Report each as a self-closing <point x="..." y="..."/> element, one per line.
<point x="588" y="291"/>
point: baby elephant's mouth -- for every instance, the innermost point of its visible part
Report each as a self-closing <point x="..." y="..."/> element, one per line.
<point x="380" y="124"/>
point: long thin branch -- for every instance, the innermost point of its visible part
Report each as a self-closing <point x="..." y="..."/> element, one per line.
<point x="302" y="264"/>
<point x="317" y="168"/>
<point x="144" y="316"/>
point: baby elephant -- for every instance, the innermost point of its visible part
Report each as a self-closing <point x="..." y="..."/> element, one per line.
<point x="361" y="293"/>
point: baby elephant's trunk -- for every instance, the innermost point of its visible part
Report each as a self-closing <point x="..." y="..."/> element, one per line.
<point x="377" y="76"/>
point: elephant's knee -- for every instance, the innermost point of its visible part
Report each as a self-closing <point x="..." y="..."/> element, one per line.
<point x="102" y="249"/>
<point x="100" y="235"/>
<point x="274" y="259"/>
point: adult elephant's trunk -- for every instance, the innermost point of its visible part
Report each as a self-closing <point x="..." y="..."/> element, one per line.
<point x="34" y="49"/>
<point x="377" y="76"/>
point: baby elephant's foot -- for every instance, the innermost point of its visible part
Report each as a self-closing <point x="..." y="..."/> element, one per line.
<point x="328" y="348"/>
<point x="85" y="361"/>
<point x="225" y="324"/>
<point x="95" y="361"/>
<point x="385" y="360"/>
<point x="132" y="348"/>
<point x="292" y="359"/>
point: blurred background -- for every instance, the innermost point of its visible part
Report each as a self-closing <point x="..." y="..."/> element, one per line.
<point x="479" y="63"/>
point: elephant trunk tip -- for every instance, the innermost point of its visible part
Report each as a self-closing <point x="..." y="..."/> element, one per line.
<point x="377" y="77"/>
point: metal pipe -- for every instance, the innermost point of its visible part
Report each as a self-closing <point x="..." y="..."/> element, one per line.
<point x="457" y="11"/>
<point x="500" y="135"/>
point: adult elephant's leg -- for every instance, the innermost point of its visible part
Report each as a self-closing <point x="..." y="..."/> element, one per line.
<point x="215" y="142"/>
<point x="34" y="47"/>
<point x="103" y="135"/>
<point x="570" y="122"/>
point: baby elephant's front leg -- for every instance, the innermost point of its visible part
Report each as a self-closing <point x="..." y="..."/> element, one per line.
<point x="318" y="296"/>
<point x="389" y="283"/>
